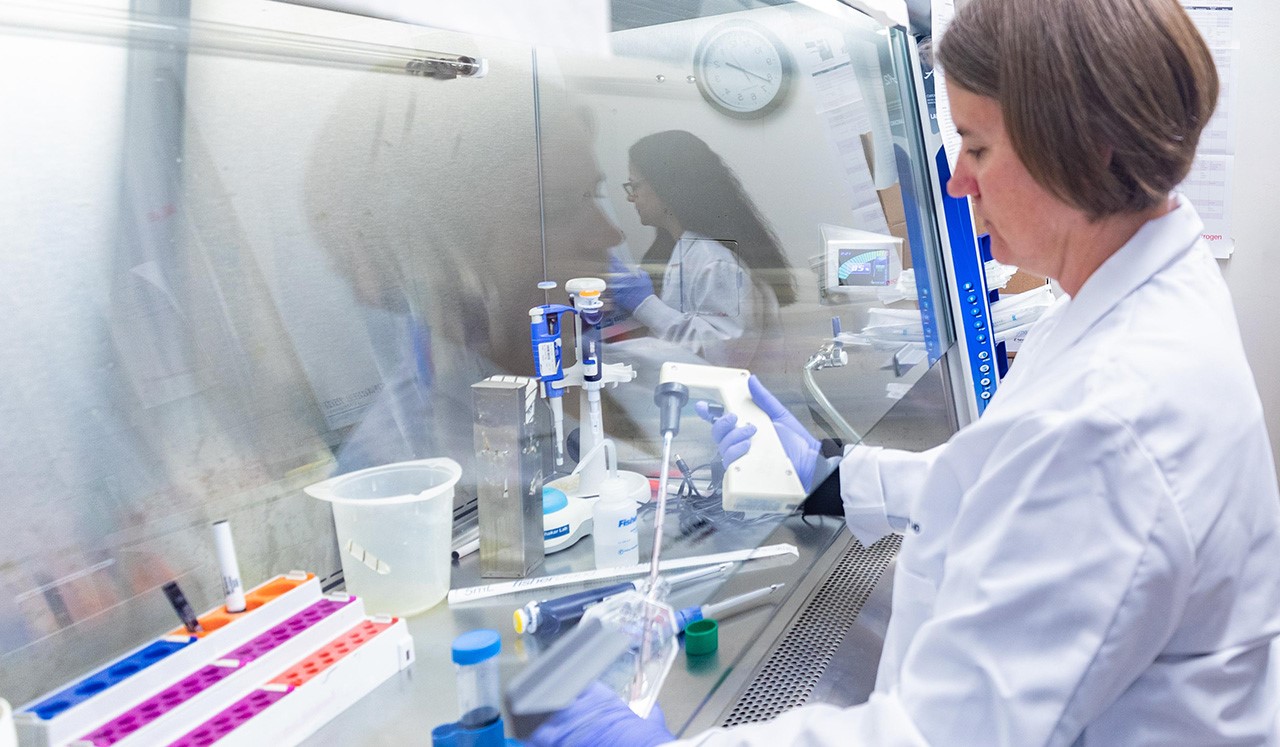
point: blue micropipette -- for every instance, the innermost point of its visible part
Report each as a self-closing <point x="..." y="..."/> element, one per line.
<point x="718" y="610"/>
<point x="544" y="337"/>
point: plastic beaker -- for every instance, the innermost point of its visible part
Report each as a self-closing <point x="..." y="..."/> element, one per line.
<point x="394" y="526"/>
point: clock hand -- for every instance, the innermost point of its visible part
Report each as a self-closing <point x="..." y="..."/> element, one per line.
<point x="748" y="72"/>
<point x="734" y="64"/>
<point x="740" y="69"/>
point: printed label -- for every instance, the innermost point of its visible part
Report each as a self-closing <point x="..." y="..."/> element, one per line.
<point x="548" y="358"/>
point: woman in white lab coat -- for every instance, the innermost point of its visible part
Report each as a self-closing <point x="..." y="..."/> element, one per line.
<point x="714" y="277"/>
<point x="1094" y="561"/>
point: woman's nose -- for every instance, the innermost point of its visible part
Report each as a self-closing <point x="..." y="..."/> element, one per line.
<point x="962" y="183"/>
<point x="603" y="232"/>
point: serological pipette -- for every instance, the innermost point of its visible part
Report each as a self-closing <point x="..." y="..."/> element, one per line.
<point x="722" y="609"/>
<point x="550" y="616"/>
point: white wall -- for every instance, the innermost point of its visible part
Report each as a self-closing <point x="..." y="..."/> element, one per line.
<point x="1254" y="272"/>
<point x="767" y="154"/>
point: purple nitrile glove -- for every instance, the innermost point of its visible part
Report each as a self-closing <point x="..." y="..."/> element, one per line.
<point x="599" y="717"/>
<point x="732" y="441"/>
<point x="629" y="287"/>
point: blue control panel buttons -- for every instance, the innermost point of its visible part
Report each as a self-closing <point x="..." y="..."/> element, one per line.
<point x="968" y="264"/>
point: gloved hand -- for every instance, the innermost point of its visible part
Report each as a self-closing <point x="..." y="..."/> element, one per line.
<point x="599" y="717"/>
<point x="629" y="287"/>
<point x="732" y="441"/>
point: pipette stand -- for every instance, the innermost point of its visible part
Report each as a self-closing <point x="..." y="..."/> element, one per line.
<point x="585" y="481"/>
<point x="582" y="487"/>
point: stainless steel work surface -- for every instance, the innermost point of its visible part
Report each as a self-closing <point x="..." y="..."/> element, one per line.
<point x="818" y="642"/>
<point x="404" y="709"/>
<point x="822" y="647"/>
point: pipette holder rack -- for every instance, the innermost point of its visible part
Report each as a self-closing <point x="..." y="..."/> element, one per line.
<point x="256" y="677"/>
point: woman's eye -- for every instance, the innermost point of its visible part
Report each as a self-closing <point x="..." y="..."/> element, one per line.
<point x="977" y="152"/>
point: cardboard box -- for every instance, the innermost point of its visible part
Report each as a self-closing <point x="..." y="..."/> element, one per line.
<point x="891" y="203"/>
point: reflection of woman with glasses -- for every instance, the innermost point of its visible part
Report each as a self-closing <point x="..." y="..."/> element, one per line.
<point x="722" y="275"/>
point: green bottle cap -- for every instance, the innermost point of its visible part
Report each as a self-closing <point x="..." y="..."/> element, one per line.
<point x="701" y="638"/>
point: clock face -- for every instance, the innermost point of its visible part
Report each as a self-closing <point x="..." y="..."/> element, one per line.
<point x="742" y="69"/>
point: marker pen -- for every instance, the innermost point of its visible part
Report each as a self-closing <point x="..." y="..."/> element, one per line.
<point x="182" y="607"/>
<point x="466" y="548"/>
<point x="227" y="566"/>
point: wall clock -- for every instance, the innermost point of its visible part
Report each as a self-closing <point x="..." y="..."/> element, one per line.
<point x="742" y="69"/>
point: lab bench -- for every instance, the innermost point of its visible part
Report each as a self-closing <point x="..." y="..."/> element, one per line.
<point x="404" y="709"/>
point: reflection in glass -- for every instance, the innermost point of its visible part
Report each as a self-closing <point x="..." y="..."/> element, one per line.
<point x="229" y="277"/>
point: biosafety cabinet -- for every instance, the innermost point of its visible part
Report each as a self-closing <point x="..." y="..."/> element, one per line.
<point x="249" y="245"/>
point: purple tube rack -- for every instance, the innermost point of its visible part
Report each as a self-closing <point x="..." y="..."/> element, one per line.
<point x="230" y="719"/>
<point x="193" y="684"/>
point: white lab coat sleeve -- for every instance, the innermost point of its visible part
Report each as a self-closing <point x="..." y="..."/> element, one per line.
<point x="716" y="302"/>
<point x="878" y="487"/>
<point x="1066" y="573"/>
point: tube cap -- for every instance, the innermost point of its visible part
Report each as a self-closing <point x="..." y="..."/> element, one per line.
<point x="613" y="490"/>
<point x="476" y="646"/>
<point x="701" y="638"/>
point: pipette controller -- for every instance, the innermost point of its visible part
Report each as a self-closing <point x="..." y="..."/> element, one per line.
<point x="550" y="616"/>
<point x="762" y="480"/>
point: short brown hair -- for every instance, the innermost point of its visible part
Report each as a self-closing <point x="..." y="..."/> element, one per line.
<point x="1103" y="100"/>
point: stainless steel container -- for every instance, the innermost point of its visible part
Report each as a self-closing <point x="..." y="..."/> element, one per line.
<point x="512" y="438"/>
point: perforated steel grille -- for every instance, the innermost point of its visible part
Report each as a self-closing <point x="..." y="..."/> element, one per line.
<point x="798" y="660"/>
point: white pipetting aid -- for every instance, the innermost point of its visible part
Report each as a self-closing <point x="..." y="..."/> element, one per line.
<point x="613" y="526"/>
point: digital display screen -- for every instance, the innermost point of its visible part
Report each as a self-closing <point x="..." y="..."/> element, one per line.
<point x="862" y="267"/>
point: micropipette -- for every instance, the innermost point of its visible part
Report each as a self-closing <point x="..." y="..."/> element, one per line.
<point x="590" y="315"/>
<point x="544" y="337"/>
<point x="720" y="609"/>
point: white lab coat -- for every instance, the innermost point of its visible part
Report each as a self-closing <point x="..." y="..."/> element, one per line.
<point x="1096" y="560"/>
<point x="710" y="305"/>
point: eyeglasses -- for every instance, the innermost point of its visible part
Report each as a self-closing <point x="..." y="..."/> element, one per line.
<point x="631" y="187"/>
